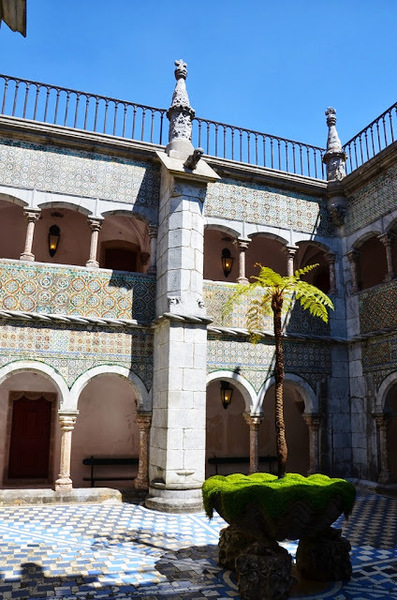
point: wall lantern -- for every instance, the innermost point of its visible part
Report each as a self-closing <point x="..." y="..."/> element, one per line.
<point x="54" y="234"/>
<point x="226" y="394"/>
<point x="227" y="261"/>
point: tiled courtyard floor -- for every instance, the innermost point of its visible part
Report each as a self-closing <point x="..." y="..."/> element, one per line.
<point x="119" y="551"/>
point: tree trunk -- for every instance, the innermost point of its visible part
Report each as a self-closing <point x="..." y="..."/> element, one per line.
<point x="281" y="443"/>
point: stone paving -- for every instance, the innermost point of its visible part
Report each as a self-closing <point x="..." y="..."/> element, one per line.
<point x="122" y="550"/>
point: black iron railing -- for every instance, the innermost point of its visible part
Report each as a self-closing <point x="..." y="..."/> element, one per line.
<point x="79" y="110"/>
<point x="256" y="148"/>
<point x="372" y="139"/>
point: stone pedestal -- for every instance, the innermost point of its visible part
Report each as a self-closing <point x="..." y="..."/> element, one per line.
<point x="324" y="557"/>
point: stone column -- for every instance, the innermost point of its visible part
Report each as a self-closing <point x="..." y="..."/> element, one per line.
<point x="290" y="251"/>
<point x="67" y="421"/>
<point x="242" y="245"/>
<point x="143" y="421"/>
<point x="32" y="215"/>
<point x="382" y="422"/>
<point x="330" y="257"/>
<point x="386" y="240"/>
<point x="153" y="229"/>
<point x="95" y="224"/>
<point x="352" y="257"/>
<point x="313" y="423"/>
<point x="253" y="422"/>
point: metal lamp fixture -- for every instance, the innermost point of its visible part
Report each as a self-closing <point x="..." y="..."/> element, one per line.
<point x="227" y="261"/>
<point x="54" y="234"/>
<point x="226" y="394"/>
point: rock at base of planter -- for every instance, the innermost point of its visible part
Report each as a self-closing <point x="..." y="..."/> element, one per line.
<point x="232" y="542"/>
<point x="325" y="557"/>
<point x="264" y="572"/>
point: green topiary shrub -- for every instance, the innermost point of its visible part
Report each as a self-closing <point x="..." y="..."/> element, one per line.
<point x="272" y="495"/>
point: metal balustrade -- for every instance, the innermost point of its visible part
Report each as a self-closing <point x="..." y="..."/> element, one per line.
<point x="78" y="110"/>
<point x="372" y="139"/>
<point x="45" y="103"/>
<point x="74" y="109"/>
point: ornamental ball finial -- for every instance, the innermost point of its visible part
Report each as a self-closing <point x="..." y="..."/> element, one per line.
<point x="181" y="69"/>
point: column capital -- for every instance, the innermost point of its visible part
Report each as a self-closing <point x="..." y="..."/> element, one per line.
<point x="95" y="222"/>
<point x="153" y="230"/>
<point x="144" y="420"/>
<point x="330" y="257"/>
<point x="381" y="419"/>
<point x="32" y="214"/>
<point x="312" y="420"/>
<point x="242" y="243"/>
<point x="386" y="238"/>
<point x="67" y="420"/>
<point x="253" y="420"/>
<point x="352" y="255"/>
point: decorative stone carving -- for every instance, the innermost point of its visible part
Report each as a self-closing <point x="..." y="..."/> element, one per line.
<point x="313" y="423"/>
<point x="335" y="157"/>
<point x="180" y="115"/>
<point x="325" y="557"/>
<point x="352" y="257"/>
<point x="330" y="257"/>
<point x="192" y="161"/>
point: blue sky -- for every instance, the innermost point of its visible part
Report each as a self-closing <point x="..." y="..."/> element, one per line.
<point x="269" y="65"/>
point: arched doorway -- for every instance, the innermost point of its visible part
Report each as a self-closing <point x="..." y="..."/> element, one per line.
<point x="106" y="427"/>
<point x="227" y="434"/>
<point x="297" y="432"/>
<point x="29" y="452"/>
<point x="391" y="413"/>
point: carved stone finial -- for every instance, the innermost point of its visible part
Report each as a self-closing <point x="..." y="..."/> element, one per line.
<point x="335" y="157"/>
<point x="180" y="115"/>
<point x="181" y="69"/>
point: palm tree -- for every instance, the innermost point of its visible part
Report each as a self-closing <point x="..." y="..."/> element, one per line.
<point x="277" y="296"/>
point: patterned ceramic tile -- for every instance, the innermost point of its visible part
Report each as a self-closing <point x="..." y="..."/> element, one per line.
<point x="375" y="198"/>
<point x="378" y="307"/>
<point x="73" y="350"/>
<point x="255" y="362"/>
<point x="250" y="202"/>
<point x="80" y="173"/>
<point x="83" y="292"/>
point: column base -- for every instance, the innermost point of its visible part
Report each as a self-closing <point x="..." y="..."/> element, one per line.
<point x="27" y="256"/>
<point x="93" y="264"/>
<point x="175" y="501"/>
<point x="63" y="484"/>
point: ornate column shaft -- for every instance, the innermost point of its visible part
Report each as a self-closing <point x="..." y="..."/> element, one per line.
<point x="290" y="251"/>
<point x="144" y="421"/>
<point x="242" y="245"/>
<point x="153" y="230"/>
<point x="330" y="257"/>
<point x="253" y="422"/>
<point x="386" y="240"/>
<point x="95" y="224"/>
<point x="352" y="257"/>
<point x="67" y="421"/>
<point x="32" y="215"/>
<point x="313" y="423"/>
<point x="382" y="422"/>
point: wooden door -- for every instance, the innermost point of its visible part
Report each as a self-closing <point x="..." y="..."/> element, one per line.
<point x="30" y="439"/>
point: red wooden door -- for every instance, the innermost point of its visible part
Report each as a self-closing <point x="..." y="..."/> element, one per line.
<point x="30" y="439"/>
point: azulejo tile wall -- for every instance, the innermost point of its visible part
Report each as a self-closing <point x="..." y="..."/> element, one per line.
<point x="379" y="357"/>
<point x="378" y="307"/>
<point x="216" y="296"/>
<point x="255" y="362"/>
<point x="375" y="198"/>
<point x="83" y="292"/>
<point x="73" y="350"/>
<point x="53" y="169"/>
<point x="253" y="203"/>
